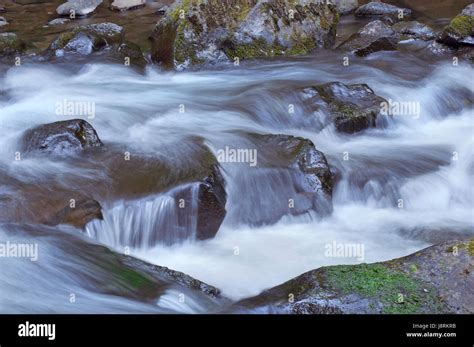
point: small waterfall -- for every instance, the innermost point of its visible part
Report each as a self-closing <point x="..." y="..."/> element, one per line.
<point x="140" y="224"/>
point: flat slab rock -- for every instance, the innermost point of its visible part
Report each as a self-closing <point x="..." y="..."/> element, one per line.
<point x="438" y="279"/>
<point x="78" y="7"/>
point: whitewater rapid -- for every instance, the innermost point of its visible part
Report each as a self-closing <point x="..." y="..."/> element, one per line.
<point x="425" y="162"/>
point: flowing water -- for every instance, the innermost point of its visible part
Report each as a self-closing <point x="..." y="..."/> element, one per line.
<point x="400" y="187"/>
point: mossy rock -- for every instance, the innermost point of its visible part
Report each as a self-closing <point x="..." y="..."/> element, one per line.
<point x="437" y="279"/>
<point x="11" y="44"/>
<point x="197" y="32"/>
<point x="459" y="32"/>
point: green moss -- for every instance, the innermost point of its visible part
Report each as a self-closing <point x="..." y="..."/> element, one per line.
<point x="413" y="268"/>
<point x="257" y="48"/>
<point x="302" y="47"/>
<point x="379" y="283"/>
<point x="461" y="25"/>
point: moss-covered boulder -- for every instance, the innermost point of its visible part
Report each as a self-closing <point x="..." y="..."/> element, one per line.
<point x="87" y="39"/>
<point x="11" y="44"/>
<point x="196" y="32"/>
<point x="459" y="32"/>
<point x="352" y="108"/>
<point x="438" y="279"/>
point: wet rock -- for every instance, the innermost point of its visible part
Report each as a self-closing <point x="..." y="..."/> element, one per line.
<point x="77" y="214"/>
<point x="346" y="6"/>
<point x="11" y="44"/>
<point x="87" y="39"/>
<point x="78" y="7"/>
<point x="124" y="5"/>
<point x="468" y="10"/>
<point x="375" y="36"/>
<point x="434" y="280"/>
<point x="47" y="203"/>
<point x="3" y="21"/>
<point x="379" y="9"/>
<point x="162" y="11"/>
<point x="59" y="21"/>
<point x="195" y="33"/>
<point x="353" y="108"/>
<point x="292" y="166"/>
<point x="102" y="271"/>
<point x="131" y="53"/>
<point x="414" y="29"/>
<point x="3" y="9"/>
<point x="212" y="198"/>
<point x="459" y="32"/>
<point x="60" y="138"/>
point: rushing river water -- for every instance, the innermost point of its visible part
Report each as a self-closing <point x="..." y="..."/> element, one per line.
<point x="425" y="161"/>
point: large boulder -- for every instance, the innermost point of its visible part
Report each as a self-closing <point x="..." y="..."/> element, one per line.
<point x="375" y="36"/>
<point x="60" y="138"/>
<point x="11" y="44"/>
<point x="119" y="176"/>
<point x="352" y="108"/>
<point x="78" y="7"/>
<point x="87" y="39"/>
<point x="437" y="279"/>
<point x="98" y="271"/>
<point x="379" y="9"/>
<point x="197" y="32"/>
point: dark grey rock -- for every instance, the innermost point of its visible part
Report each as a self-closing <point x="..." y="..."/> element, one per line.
<point x="60" y="138"/>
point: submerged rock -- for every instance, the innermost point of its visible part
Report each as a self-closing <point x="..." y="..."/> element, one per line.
<point x="78" y="7"/>
<point x="97" y="270"/>
<point x="59" y="21"/>
<point x="124" y="5"/>
<point x="198" y="32"/>
<point x="60" y="138"/>
<point x="87" y="39"/>
<point x="353" y="108"/>
<point x="375" y="36"/>
<point x="414" y="29"/>
<point x="11" y="44"/>
<point x="437" y="279"/>
<point x="379" y="9"/>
